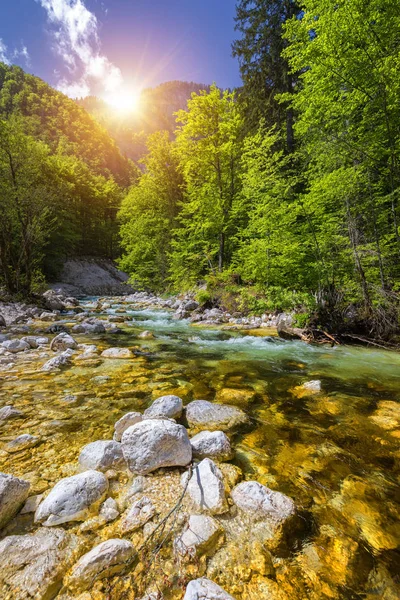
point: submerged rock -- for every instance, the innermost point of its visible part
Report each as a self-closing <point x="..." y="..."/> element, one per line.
<point x="202" y="414"/>
<point x="22" y="442"/>
<point x="124" y="422"/>
<point x="101" y="455"/>
<point x="212" y="444"/>
<point x="204" y="589"/>
<point x="71" y="498"/>
<point x="117" y="353"/>
<point x="32" y="566"/>
<point x="200" y="536"/>
<point x="137" y="515"/>
<point x="152" y="444"/>
<point x="206" y="487"/>
<point x="13" y="493"/>
<point x="9" y="412"/>
<point x="169" y="407"/>
<point x="106" y="559"/>
<point x="262" y="503"/>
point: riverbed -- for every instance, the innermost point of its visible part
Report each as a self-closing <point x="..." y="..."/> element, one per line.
<point x="331" y="445"/>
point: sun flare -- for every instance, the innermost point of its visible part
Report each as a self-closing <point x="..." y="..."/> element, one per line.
<point x="123" y="101"/>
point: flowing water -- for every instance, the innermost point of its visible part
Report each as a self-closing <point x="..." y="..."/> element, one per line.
<point x="334" y="450"/>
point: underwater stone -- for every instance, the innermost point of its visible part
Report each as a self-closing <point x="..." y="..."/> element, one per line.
<point x="169" y="407"/>
<point x="22" y="442"/>
<point x="13" y="493"/>
<point x="71" y="498"/>
<point x="262" y="503"/>
<point x="152" y="444"/>
<point x="101" y="455"/>
<point x="105" y="560"/>
<point x="204" y="589"/>
<point x="202" y="414"/>
<point x="9" y="412"/>
<point x="211" y="444"/>
<point x="206" y="487"/>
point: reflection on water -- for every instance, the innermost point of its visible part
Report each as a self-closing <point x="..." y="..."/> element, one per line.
<point x="334" y="450"/>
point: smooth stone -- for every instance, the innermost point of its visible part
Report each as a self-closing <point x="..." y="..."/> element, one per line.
<point x="202" y="414"/>
<point x="124" y="422"/>
<point x="32" y="566"/>
<point x="15" y="346"/>
<point x="106" y="559"/>
<point x="262" y="503"/>
<point x="152" y="444"/>
<point x="204" y="589"/>
<point x="57" y="362"/>
<point x="63" y="341"/>
<point x="35" y="342"/>
<point x="71" y="498"/>
<point x="22" y="442"/>
<point x="13" y="493"/>
<point x="200" y="536"/>
<point x="137" y="515"/>
<point x="109" y="510"/>
<point x="212" y="444"/>
<point x="169" y="407"/>
<point x="206" y="487"/>
<point x="9" y="412"/>
<point x="117" y="353"/>
<point x="101" y="456"/>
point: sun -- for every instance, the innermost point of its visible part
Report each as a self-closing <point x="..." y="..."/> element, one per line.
<point x="123" y="101"/>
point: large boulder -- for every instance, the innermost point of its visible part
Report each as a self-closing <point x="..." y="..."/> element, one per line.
<point x="202" y="414"/>
<point x="212" y="444"/>
<point x="52" y="301"/>
<point x="15" y="346"/>
<point x="13" y="493"/>
<point x="63" y="341"/>
<point x="169" y="407"/>
<point x="204" y="589"/>
<point x="131" y="418"/>
<point x="261" y="503"/>
<point x="72" y="498"/>
<point x="206" y="487"/>
<point x="152" y="444"/>
<point x="105" y="560"/>
<point x="199" y="537"/>
<point x="101" y="456"/>
<point x="32" y="566"/>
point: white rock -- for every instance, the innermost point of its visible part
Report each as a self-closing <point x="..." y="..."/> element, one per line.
<point x="206" y="487"/>
<point x="9" y="412"/>
<point x="152" y="444"/>
<point x="71" y="498"/>
<point x="204" y="589"/>
<point x="34" y="341"/>
<point x="202" y="414"/>
<point x="57" y="362"/>
<point x="169" y="407"/>
<point x="32" y="566"/>
<point x="200" y="536"/>
<point x="15" y="346"/>
<point x="31" y="504"/>
<point x="105" y="560"/>
<point x="117" y="353"/>
<point x="48" y="316"/>
<point x="131" y="418"/>
<point x="13" y="493"/>
<point x="313" y="386"/>
<point x="137" y="515"/>
<point x="63" y="341"/>
<point x="101" y="456"/>
<point x="262" y="503"/>
<point x="212" y="444"/>
<point x="109" y="510"/>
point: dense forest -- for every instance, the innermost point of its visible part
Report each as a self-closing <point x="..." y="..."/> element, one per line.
<point x="280" y="195"/>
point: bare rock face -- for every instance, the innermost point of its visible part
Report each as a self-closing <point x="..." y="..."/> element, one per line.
<point x="169" y="407"/>
<point x="106" y="559"/>
<point x="101" y="456"/>
<point x="137" y="515"/>
<point x="202" y="414"/>
<point x="32" y="566"/>
<point x="206" y="487"/>
<point x="204" y="589"/>
<point x="13" y="493"/>
<point x="200" y="536"/>
<point x="212" y="444"/>
<point x="71" y="498"/>
<point x="152" y="444"/>
<point x="124" y="422"/>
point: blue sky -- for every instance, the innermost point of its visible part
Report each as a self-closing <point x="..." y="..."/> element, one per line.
<point x="103" y="46"/>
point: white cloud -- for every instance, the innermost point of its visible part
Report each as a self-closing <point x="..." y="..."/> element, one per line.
<point x="76" y="40"/>
<point x="22" y="53"/>
<point x="3" y="53"/>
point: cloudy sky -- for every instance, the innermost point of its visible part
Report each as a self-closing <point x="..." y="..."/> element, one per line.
<point x="87" y="47"/>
